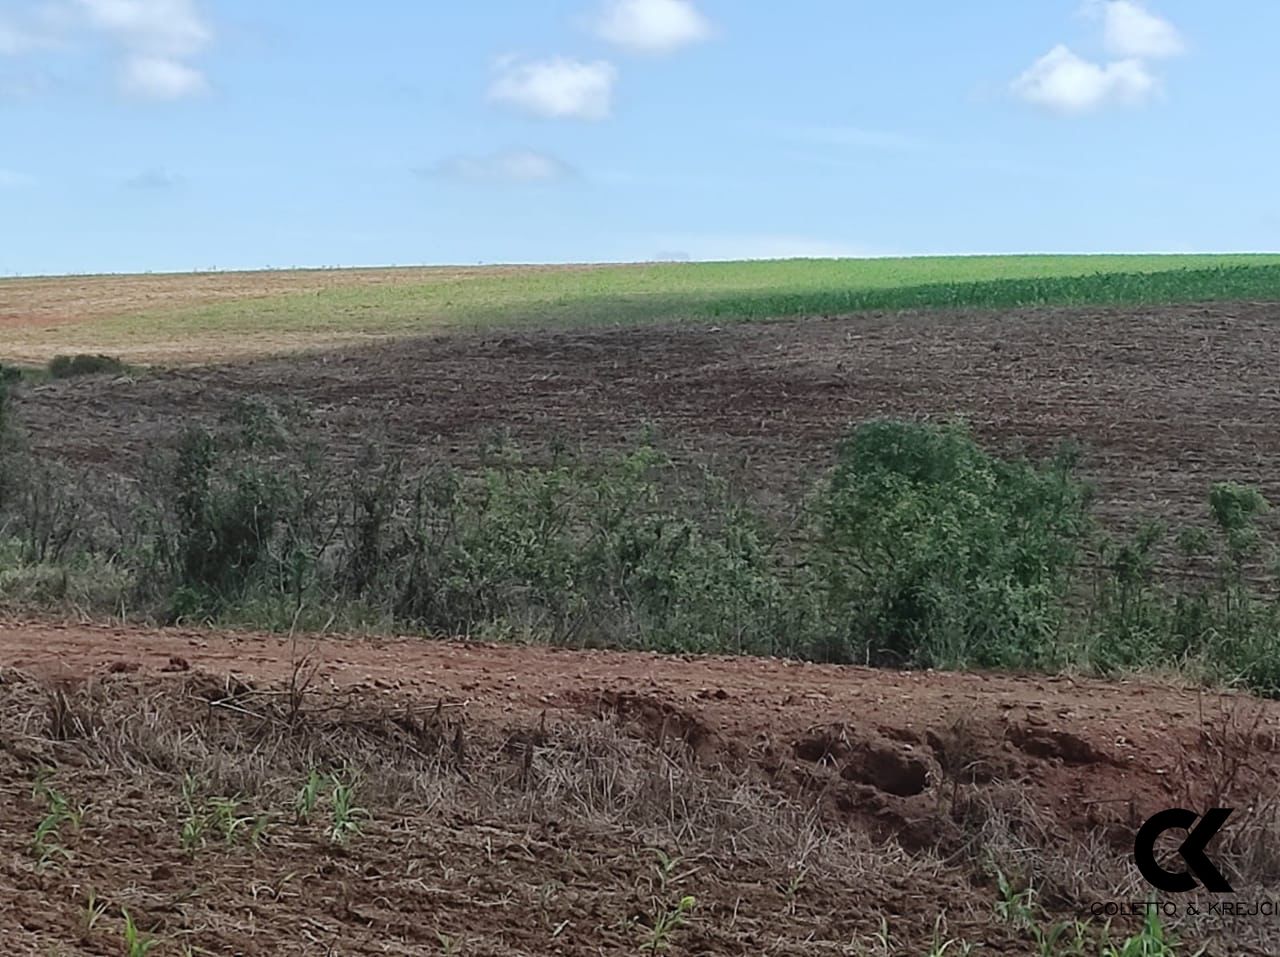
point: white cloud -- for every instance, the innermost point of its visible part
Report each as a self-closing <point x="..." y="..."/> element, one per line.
<point x="653" y="26"/>
<point x="558" y="88"/>
<point x="160" y="78"/>
<point x="509" y="166"/>
<point x="154" y="39"/>
<point x="1132" y="31"/>
<point x="1064" y="82"/>
<point x="161" y="28"/>
<point x="158" y="37"/>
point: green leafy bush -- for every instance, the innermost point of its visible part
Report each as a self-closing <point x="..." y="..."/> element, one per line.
<point x="935" y="553"/>
<point x="918" y="549"/>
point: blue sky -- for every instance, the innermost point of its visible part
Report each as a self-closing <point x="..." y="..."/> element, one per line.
<point x="177" y="134"/>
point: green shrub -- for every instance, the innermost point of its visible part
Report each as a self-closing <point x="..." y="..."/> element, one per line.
<point x="67" y="367"/>
<point x="225" y="517"/>
<point x="918" y="549"/>
<point x="587" y="556"/>
<point x="935" y="553"/>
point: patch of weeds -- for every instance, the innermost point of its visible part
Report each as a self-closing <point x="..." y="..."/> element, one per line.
<point x="68" y="367"/>
<point x="1153" y="940"/>
<point x="226" y="821"/>
<point x="217" y="815"/>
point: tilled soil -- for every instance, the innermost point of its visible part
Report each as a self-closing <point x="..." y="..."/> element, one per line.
<point x="805" y="802"/>
<point x="1164" y="401"/>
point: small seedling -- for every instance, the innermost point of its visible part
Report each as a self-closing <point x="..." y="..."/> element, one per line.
<point x="666" y="923"/>
<point x="136" y="943"/>
<point x="226" y="821"/>
<point x="308" y="797"/>
<point x="218" y="814"/>
<point x="792" y="891"/>
<point x="947" y="948"/>
<point x="1152" y="941"/>
<point x="258" y="833"/>
<point x="93" y="912"/>
<point x="46" y="844"/>
<point x="347" y="815"/>
<point x="1063" y="939"/>
<point x="1013" y="907"/>
<point x="665" y="867"/>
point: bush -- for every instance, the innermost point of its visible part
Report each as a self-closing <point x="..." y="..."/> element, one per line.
<point x="66" y="367"/>
<point x="225" y="516"/>
<point x="919" y="549"/>
<point x="934" y="553"/>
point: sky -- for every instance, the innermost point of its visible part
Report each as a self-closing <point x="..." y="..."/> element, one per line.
<point x="157" y="135"/>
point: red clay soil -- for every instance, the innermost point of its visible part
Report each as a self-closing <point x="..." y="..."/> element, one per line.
<point x="1087" y="751"/>
<point x="880" y="756"/>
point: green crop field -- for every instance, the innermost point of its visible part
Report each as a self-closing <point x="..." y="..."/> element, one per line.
<point x="255" y="313"/>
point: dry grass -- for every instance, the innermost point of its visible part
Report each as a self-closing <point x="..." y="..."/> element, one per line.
<point x="570" y="836"/>
<point x="567" y="836"/>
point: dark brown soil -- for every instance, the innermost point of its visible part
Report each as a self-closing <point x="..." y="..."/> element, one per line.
<point x="1165" y="401"/>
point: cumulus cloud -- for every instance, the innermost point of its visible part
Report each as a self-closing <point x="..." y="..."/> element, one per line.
<point x="1132" y="31"/>
<point x="158" y="38"/>
<point x="558" y="88"/>
<point x="1065" y="82"/>
<point x="155" y="40"/>
<point x="160" y="28"/>
<point x="509" y="166"/>
<point x="653" y="26"/>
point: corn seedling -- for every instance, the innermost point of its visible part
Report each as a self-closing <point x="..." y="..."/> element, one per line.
<point x="879" y="944"/>
<point x="1152" y="941"/>
<point x="46" y="844"/>
<point x="1063" y="939"/>
<point x="941" y="947"/>
<point x="258" y="833"/>
<point x="222" y="812"/>
<point x="93" y="912"/>
<point x="666" y="923"/>
<point x="792" y="891"/>
<point x="1013" y="907"/>
<point x="308" y="797"/>
<point x="346" y="815"/>
<point x="136" y="943"/>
